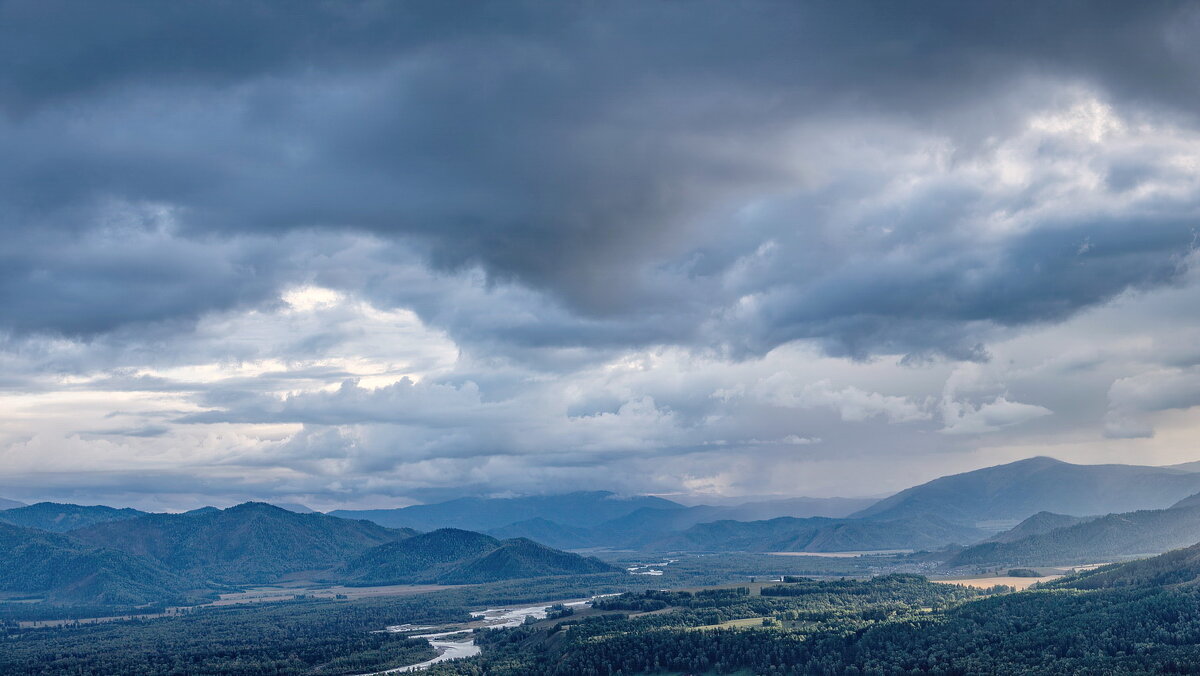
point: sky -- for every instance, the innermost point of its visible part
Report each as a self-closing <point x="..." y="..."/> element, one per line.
<point x="370" y="254"/>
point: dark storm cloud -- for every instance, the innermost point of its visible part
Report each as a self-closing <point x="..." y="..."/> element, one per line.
<point x="594" y="153"/>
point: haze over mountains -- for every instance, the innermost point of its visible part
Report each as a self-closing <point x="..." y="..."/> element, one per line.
<point x="958" y="509"/>
<point x="569" y="509"/>
<point x="5" y="503"/>
<point x="1067" y="514"/>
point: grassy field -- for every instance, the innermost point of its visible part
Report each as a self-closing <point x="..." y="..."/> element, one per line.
<point x="1019" y="583"/>
<point x="733" y="624"/>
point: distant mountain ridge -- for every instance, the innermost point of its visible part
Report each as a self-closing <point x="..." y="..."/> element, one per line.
<point x="1021" y="489"/>
<point x="5" y="503"/>
<point x="60" y="518"/>
<point x="250" y="543"/>
<point x="580" y="509"/>
<point x="819" y="535"/>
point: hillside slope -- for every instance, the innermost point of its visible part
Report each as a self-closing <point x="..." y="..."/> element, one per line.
<point x="452" y="556"/>
<point x="1042" y="522"/>
<point x="60" y="518"/>
<point x="1021" y="489"/>
<point x="1180" y="566"/>
<point x="250" y="543"/>
<point x="1100" y="539"/>
<point x="62" y="570"/>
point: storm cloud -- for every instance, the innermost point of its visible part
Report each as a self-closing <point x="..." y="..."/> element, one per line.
<point x="382" y="248"/>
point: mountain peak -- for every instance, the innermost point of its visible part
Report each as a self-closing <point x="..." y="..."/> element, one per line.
<point x="256" y="506"/>
<point x="1043" y="460"/>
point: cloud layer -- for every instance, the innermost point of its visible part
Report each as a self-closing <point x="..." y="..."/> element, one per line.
<point x="362" y="253"/>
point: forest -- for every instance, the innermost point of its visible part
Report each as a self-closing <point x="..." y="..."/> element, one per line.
<point x="889" y="625"/>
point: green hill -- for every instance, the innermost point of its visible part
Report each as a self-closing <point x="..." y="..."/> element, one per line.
<point x="452" y="556"/>
<point x="521" y="558"/>
<point x="61" y="570"/>
<point x="250" y="543"/>
<point x="1181" y="566"/>
<point x="60" y="518"/>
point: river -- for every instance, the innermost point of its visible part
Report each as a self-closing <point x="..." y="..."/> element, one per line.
<point x="492" y="618"/>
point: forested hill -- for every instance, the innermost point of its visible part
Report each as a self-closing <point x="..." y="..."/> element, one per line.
<point x="62" y="570"/>
<point x="1101" y="539"/>
<point x="60" y="518"/>
<point x="1181" y="566"/>
<point x="1142" y="617"/>
<point x="1021" y="489"/>
<point x="158" y="557"/>
<point x="453" y="556"/>
<point x="250" y="543"/>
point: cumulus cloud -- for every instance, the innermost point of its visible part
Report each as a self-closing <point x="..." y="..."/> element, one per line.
<point x="851" y="403"/>
<point x="961" y="418"/>
<point x="1134" y="399"/>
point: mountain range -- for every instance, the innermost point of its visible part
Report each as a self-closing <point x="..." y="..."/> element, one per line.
<point x="956" y="509"/>
<point x="1060" y="513"/>
<point x="162" y="558"/>
<point x="1018" y="490"/>
<point x="248" y="544"/>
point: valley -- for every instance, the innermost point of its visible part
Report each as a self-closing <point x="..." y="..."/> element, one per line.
<point x="333" y="595"/>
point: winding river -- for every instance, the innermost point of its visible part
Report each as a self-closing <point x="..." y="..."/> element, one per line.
<point x="492" y="618"/>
